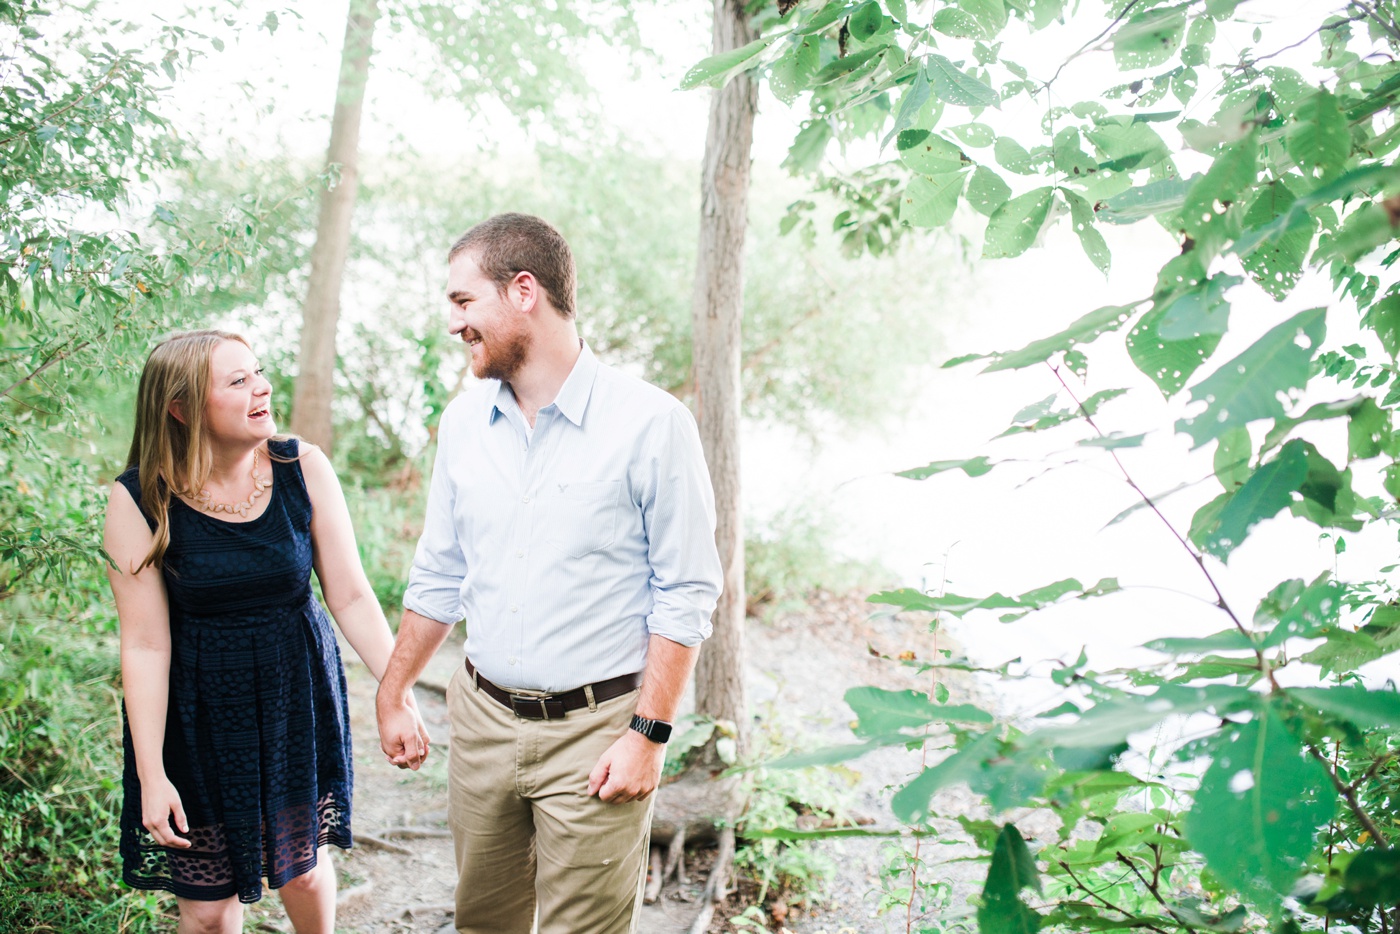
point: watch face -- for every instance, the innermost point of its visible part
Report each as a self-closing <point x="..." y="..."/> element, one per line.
<point x="658" y="731"/>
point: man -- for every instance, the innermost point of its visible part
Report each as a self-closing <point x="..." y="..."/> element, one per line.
<point x="571" y="522"/>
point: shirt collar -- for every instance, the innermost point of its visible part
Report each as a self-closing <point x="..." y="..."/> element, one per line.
<point x="572" y="400"/>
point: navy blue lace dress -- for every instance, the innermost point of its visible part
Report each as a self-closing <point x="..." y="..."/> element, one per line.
<point x="257" y="737"/>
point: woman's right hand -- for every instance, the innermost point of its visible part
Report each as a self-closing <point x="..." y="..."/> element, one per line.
<point x="159" y="800"/>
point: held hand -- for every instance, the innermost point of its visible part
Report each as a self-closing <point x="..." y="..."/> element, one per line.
<point x="629" y="770"/>
<point x="401" y="733"/>
<point x="159" y="801"/>
<point x="425" y="741"/>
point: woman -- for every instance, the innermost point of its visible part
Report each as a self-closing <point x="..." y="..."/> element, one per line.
<point x="236" y="731"/>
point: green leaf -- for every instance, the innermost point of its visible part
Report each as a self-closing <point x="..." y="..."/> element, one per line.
<point x="1277" y="265"/>
<point x="1113" y="721"/>
<point x="1149" y="38"/>
<point x="1127" y="144"/>
<point x="1319" y="139"/>
<point x="1368" y="710"/>
<point x="881" y="712"/>
<point x="1372" y="878"/>
<point x="1249" y="386"/>
<point x="839" y="68"/>
<point x="1012" y="869"/>
<point x="1322" y="411"/>
<point x="1012" y="156"/>
<point x="1169" y="363"/>
<point x="928" y="154"/>
<point x="1069" y="158"/>
<point x="991" y="14"/>
<point x="1227" y="640"/>
<point x="1014" y="226"/>
<point x="972" y="466"/>
<point x="1082" y="219"/>
<point x="1202" y="310"/>
<point x="1114" y="441"/>
<point x="1083" y="331"/>
<point x="909" y="105"/>
<point x="1231" y="459"/>
<point x="1313" y="612"/>
<point x="931" y="202"/>
<point x="718" y="69"/>
<point x="792" y="73"/>
<point x="961" y="25"/>
<point x="1383" y="318"/>
<point x="911" y="803"/>
<point x="976" y="135"/>
<point x="1259" y="805"/>
<point x="909" y="599"/>
<point x="987" y="192"/>
<point x="1150" y="200"/>
<point x="867" y="21"/>
<point x="957" y="87"/>
<point x="809" y="148"/>
<point x="1267" y="492"/>
<point x="1233" y="171"/>
<point x="1366" y="178"/>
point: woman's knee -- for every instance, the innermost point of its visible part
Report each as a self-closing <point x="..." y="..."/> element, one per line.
<point x="315" y="879"/>
<point x="221" y="917"/>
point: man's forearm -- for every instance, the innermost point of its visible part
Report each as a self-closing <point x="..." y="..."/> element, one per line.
<point x="663" y="683"/>
<point x="419" y="637"/>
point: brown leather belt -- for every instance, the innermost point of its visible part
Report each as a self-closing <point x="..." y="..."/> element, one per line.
<point x="533" y="705"/>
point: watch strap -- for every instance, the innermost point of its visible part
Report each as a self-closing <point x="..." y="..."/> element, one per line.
<point x="658" y="731"/>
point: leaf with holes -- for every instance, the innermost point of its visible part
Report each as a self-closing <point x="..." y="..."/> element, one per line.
<point x="931" y="201"/>
<point x="928" y="154"/>
<point x="1014" y="226"/>
<point x="1149" y="38"/>
<point x="1083" y="331"/>
<point x="1169" y="363"/>
<point x="1081" y="216"/>
<point x="717" y="69"/>
<point x="955" y="86"/>
<point x="1319" y="138"/>
<point x="1202" y="310"/>
<point x="1267" y="492"/>
<point x="1277" y="264"/>
<point x="1256" y="383"/>
<point x="1258" y="808"/>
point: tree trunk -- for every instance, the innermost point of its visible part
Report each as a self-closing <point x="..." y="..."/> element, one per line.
<point x="315" y="384"/>
<point x="717" y="310"/>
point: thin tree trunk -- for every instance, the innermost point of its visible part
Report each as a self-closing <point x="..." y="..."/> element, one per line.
<point x="717" y="310"/>
<point x="315" y="384"/>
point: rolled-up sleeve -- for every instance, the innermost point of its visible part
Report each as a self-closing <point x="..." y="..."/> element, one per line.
<point x="439" y="566"/>
<point x="679" y="518"/>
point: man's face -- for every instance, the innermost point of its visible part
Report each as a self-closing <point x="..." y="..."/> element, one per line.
<point x="493" y="329"/>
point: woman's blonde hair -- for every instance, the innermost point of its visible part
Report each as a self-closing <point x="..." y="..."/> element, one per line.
<point x="173" y="457"/>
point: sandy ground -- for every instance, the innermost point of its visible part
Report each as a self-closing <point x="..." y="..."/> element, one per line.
<point x="399" y="877"/>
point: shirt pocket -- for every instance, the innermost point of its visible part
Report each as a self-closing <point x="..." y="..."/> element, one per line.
<point x="581" y="517"/>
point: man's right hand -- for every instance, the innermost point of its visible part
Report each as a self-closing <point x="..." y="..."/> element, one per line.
<point x="401" y="733"/>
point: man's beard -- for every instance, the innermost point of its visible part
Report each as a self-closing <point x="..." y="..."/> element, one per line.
<point x="501" y="358"/>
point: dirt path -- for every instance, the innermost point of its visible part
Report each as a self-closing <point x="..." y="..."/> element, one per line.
<point x="400" y="876"/>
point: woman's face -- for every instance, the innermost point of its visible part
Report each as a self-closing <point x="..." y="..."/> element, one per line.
<point x="239" y="405"/>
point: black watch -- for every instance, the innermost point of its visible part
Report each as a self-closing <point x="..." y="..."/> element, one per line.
<point x="658" y="731"/>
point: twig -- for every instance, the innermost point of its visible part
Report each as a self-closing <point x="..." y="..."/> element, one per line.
<point x="1220" y="600"/>
<point x="1349" y="796"/>
<point x="34" y="374"/>
<point x="1108" y="904"/>
<point x="371" y="842"/>
<point x="1152" y="887"/>
<point x="106" y="80"/>
<point x="1086" y="46"/>
<point x="1374" y="13"/>
<point x="1246" y="65"/>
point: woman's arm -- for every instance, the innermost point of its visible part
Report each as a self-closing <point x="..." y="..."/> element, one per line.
<point x="145" y="655"/>
<point x="348" y="594"/>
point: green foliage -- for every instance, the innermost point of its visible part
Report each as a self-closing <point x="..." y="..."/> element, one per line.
<point x="1278" y="814"/>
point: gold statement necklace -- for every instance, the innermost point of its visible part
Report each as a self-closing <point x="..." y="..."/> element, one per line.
<point x="260" y="483"/>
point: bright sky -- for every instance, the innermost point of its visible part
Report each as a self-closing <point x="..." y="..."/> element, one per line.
<point x="999" y="534"/>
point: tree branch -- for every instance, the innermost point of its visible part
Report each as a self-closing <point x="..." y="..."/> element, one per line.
<point x="1374" y="13"/>
<point x="1220" y="600"/>
<point x="1108" y="904"/>
<point x="1152" y="887"/>
<point x="58" y="355"/>
<point x="1348" y="794"/>
<point x="106" y="80"/>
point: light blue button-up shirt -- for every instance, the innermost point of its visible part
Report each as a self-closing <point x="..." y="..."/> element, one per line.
<point x="567" y="547"/>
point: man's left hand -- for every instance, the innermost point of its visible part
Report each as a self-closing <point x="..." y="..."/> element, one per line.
<point x="629" y="770"/>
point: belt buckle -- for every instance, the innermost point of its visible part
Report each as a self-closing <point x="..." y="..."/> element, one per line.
<point x="536" y="706"/>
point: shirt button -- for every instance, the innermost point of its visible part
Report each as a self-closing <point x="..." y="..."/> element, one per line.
<point x="514" y="608"/>
<point x="520" y="554"/>
<point x="524" y="499"/>
<point x="512" y="660"/>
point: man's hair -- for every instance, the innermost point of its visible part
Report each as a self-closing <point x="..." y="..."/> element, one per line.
<point x="508" y="244"/>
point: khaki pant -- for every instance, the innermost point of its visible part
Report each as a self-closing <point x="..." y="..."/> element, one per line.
<point x="528" y="836"/>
